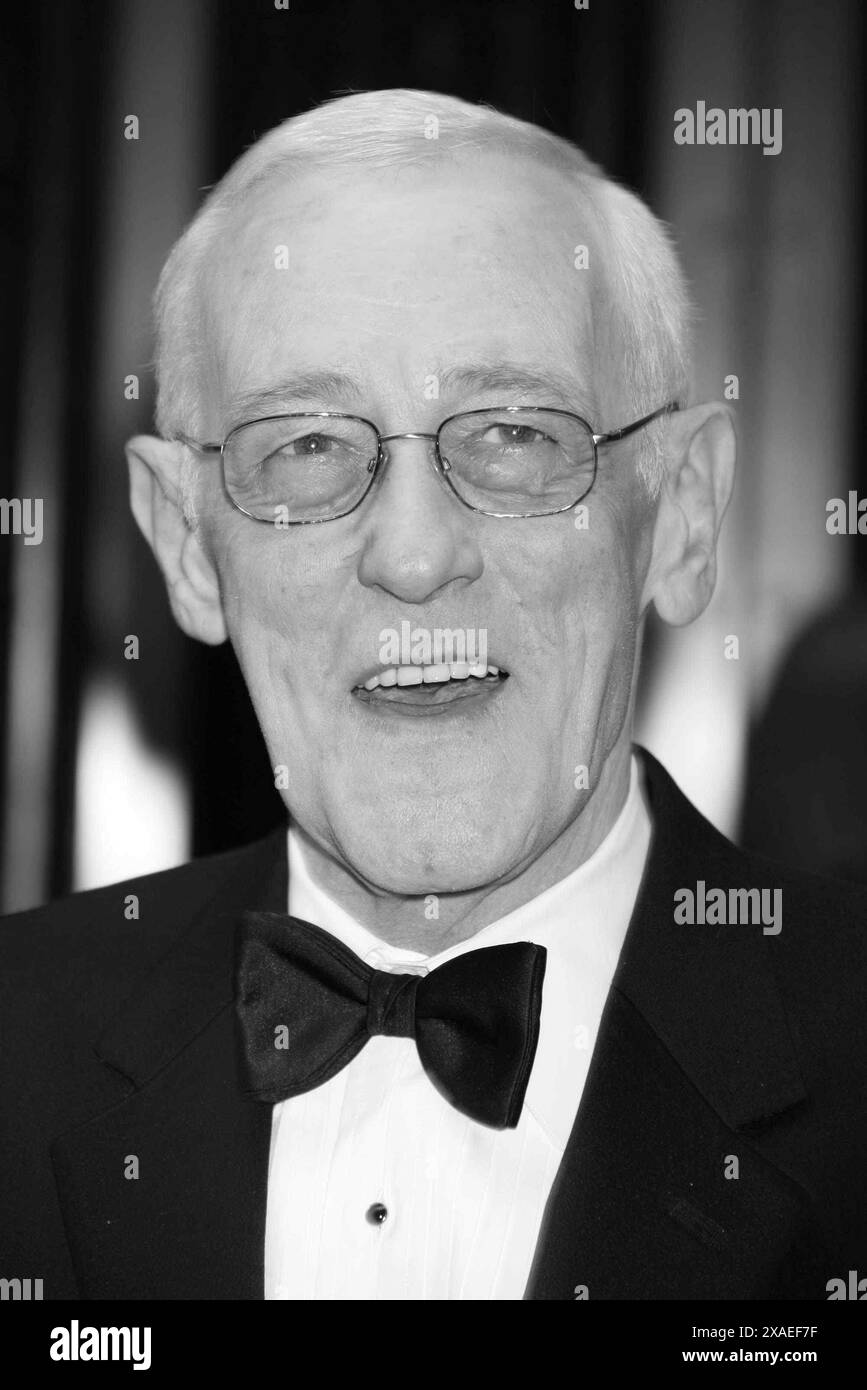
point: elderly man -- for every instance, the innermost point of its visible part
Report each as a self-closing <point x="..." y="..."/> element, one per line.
<point x="497" y="1014"/>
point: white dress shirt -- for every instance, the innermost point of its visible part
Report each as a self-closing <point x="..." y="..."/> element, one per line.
<point x="464" y="1202"/>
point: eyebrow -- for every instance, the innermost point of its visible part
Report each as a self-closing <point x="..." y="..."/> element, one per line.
<point x="511" y="376"/>
<point x="303" y="386"/>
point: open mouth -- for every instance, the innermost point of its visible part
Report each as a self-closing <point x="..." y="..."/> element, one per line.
<point x="429" y="689"/>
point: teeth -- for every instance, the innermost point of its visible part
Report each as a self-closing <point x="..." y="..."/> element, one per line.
<point x="430" y="675"/>
<point x="409" y="675"/>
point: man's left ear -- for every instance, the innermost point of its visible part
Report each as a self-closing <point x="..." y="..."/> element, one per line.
<point x="699" y="473"/>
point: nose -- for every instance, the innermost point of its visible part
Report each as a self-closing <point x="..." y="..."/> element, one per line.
<point x="420" y="538"/>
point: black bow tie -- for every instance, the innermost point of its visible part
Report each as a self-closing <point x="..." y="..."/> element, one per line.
<point x="306" y="1005"/>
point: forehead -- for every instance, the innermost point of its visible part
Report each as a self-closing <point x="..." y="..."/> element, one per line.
<point x="391" y="276"/>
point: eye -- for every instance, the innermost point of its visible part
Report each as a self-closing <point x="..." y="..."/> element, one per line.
<point x="311" y="445"/>
<point x="513" y="434"/>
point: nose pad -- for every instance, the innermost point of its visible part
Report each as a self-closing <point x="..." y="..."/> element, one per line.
<point x="440" y="465"/>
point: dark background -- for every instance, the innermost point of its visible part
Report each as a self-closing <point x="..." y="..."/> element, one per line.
<point x="774" y="751"/>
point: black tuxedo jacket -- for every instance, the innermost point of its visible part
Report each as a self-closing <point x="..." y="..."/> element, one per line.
<point x="718" y="1043"/>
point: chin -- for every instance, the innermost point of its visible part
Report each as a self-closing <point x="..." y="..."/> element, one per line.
<point x="451" y="854"/>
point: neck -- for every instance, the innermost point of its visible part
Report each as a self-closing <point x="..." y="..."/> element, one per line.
<point x="400" y="920"/>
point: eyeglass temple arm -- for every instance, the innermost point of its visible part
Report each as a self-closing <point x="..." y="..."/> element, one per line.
<point x="613" y="435"/>
<point x="194" y="444"/>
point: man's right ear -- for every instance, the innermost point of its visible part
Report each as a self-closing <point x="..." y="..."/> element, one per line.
<point x="155" y="471"/>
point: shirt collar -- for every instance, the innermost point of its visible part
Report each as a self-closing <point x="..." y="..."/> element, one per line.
<point x="581" y="921"/>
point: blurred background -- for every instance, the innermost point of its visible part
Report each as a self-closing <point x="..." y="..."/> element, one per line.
<point x="111" y="767"/>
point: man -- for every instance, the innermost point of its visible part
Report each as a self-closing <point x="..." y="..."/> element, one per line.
<point x="426" y="460"/>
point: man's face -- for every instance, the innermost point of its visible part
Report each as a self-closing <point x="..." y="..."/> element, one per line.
<point x="395" y="279"/>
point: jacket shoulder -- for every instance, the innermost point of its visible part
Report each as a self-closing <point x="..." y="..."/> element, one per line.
<point x="810" y="931"/>
<point x="90" y="949"/>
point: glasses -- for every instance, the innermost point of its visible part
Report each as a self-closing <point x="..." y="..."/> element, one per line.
<point x="513" y="461"/>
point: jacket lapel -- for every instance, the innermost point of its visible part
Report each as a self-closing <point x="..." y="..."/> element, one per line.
<point x="164" y="1194"/>
<point x="692" y="1061"/>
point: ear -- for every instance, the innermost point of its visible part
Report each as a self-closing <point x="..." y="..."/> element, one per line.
<point x="155" y="470"/>
<point x="699" y="473"/>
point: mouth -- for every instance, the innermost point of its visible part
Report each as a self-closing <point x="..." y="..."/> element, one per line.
<point x="430" y="690"/>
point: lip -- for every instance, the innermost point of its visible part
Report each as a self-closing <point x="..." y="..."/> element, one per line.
<point x="468" y="696"/>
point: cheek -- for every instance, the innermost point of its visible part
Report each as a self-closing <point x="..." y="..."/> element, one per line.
<point x="272" y="581"/>
<point x="267" y="624"/>
<point x="589" y="617"/>
<point x="281" y="600"/>
<point x="253" y="588"/>
<point x="612" y="636"/>
<point x="589" y="591"/>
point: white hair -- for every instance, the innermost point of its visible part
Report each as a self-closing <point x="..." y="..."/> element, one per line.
<point x="647" y="313"/>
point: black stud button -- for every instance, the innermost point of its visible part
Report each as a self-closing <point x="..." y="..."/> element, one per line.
<point x="376" y="1214"/>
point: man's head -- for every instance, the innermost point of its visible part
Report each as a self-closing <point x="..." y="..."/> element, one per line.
<point x="402" y="256"/>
